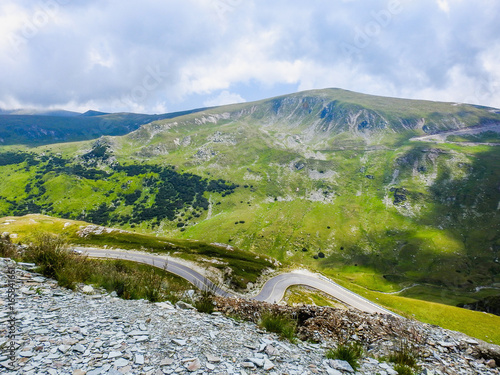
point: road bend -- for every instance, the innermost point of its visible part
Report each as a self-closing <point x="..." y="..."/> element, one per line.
<point x="272" y="291"/>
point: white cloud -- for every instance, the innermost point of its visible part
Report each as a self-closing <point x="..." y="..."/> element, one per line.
<point x="168" y="55"/>
<point x="225" y="97"/>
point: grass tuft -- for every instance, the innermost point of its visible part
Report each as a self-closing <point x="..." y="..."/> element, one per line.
<point x="404" y="356"/>
<point x="206" y="302"/>
<point x="404" y="370"/>
<point x="282" y="324"/>
<point x="350" y="353"/>
<point x="7" y="248"/>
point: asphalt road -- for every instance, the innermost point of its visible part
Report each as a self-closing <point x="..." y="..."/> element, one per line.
<point x="272" y="291"/>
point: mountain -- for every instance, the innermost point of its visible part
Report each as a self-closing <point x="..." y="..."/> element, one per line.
<point x="34" y="128"/>
<point x="31" y="112"/>
<point x="384" y="192"/>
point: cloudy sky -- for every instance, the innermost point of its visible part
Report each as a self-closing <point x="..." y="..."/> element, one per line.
<point x="156" y="56"/>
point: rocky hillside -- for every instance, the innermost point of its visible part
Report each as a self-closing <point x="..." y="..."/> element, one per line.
<point x="91" y="332"/>
<point x="338" y="181"/>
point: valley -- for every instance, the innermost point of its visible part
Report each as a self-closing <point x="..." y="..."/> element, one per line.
<point x="377" y="193"/>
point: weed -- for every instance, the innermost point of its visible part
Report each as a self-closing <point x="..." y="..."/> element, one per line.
<point x="49" y="253"/>
<point x="129" y="280"/>
<point x="406" y="355"/>
<point x="282" y="324"/>
<point x="7" y="248"/>
<point x="206" y="302"/>
<point x="403" y="370"/>
<point x="350" y="352"/>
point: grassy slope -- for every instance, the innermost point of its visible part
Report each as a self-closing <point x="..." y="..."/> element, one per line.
<point x="476" y="324"/>
<point x="473" y="323"/>
<point x="245" y="267"/>
<point x="444" y="236"/>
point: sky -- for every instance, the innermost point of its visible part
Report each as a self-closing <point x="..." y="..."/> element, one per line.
<point x="158" y="56"/>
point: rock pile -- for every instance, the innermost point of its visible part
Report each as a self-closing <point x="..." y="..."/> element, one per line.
<point x="64" y="332"/>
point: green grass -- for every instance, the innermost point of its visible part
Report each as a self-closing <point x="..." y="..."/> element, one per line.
<point x="205" y="302"/>
<point x="280" y="323"/>
<point x="245" y="266"/>
<point x="129" y="280"/>
<point x="405" y="356"/>
<point x="350" y="352"/>
<point x="473" y="323"/>
<point x="403" y="370"/>
<point x="301" y="295"/>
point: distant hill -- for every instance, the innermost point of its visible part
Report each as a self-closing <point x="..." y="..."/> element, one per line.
<point x="28" y="127"/>
<point x="31" y="112"/>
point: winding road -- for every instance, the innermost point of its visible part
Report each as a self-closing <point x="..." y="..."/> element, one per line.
<point x="272" y="291"/>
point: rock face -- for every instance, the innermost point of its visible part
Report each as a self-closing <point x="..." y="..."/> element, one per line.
<point x="65" y="332"/>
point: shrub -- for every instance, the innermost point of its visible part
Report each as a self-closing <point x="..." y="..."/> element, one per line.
<point x="282" y="324"/>
<point x="351" y="353"/>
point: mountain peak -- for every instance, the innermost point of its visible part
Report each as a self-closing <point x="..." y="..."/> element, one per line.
<point x="91" y="113"/>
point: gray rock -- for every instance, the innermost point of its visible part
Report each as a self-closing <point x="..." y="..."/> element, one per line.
<point x="271" y="351"/>
<point x="257" y="361"/>
<point x="331" y="371"/>
<point x="136" y="333"/>
<point x="121" y="362"/>
<point x="445" y="344"/>
<point x="211" y="366"/>
<point x="139" y="359"/>
<point x="248" y="364"/>
<point x="164" y="305"/>
<point x="338" y="364"/>
<point x="166" y="362"/>
<point x="114" y="354"/>
<point x="268" y="365"/>
<point x="184" y="306"/>
<point x="179" y="342"/>
<point x="194" y="365"/>
<point x="79" y="348"/>
<point x="88" y="289"/>
<point x="27" y="354"/>
<point x="211" y="358"/>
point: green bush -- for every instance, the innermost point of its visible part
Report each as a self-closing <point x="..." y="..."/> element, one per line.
<point x="282" y="324"/>
<point x="350" y="352"/>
